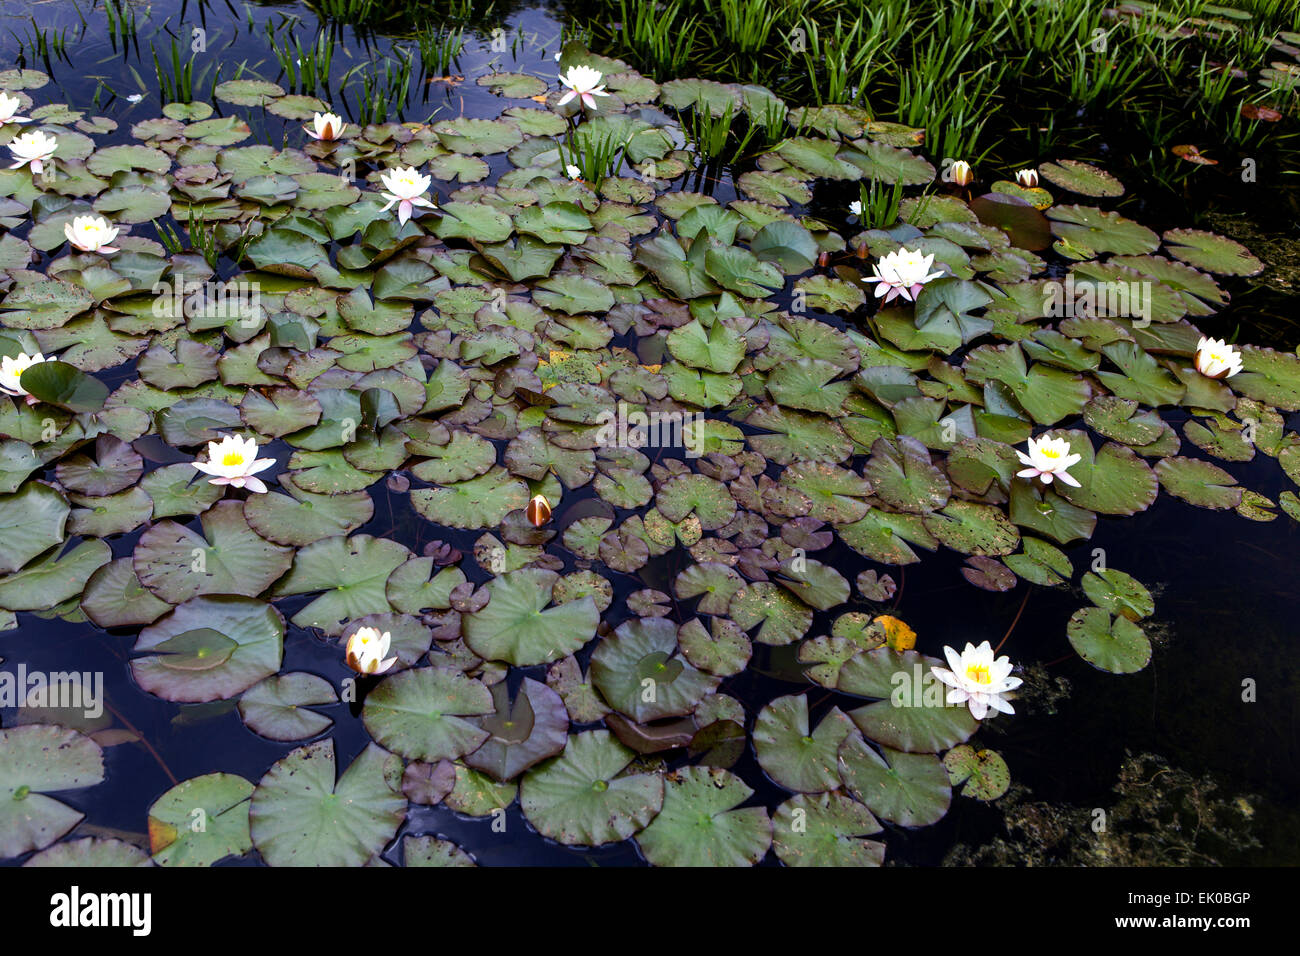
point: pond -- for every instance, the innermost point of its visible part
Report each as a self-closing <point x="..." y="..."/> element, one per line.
<point x="615" y="420"/>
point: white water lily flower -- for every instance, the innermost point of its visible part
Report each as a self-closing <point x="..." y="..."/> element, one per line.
<point x="32" y="149"/>
<point x="407" y="188"/>
<point x="573" y="172"/>
<point x="8" y="108"/>
<point x="91" y="234"/>
<point x="977" y="679"/>
<point x="234" y="462"/>
<point x="11" y="370"/>
<point x="328" y="127"/>
<point x="1027" y="178"/>
<point x="902" y="272"/>
<point x="135" y="98"/>
<point x="1215" y="358"/>
<point x="962" y="174"/>
<point x="1047" y="459"/>
<point x="855" y="207"/>
<point x="366" y="650"/>
<point x="582" y="81"/>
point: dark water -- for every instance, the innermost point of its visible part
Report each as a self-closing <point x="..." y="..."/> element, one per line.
<point x="1225" y="587"/>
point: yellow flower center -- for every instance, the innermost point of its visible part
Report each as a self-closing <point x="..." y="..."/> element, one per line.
<point x="1050" y="453"/>
<point x="979" y="674"/>
<point x="233" y="458"/>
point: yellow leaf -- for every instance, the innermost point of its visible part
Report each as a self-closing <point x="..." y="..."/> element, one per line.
<point x="899" y="635"/>
<point x="161" y="835"/>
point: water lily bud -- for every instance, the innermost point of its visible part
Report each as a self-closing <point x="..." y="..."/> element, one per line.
<point x="962" y="174"/>
<point x="1027" y="178"/>
<point x="366" y="649"/>
<point x="538" y="511"/>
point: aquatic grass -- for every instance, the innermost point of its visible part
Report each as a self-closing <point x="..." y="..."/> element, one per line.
<point x="305" y="69"/>
<point x="439" y="48"/>
<point x="383" y="94"/>
<point x="879" y="203"/>
<point x="596" y="155"/>
<point x="663" y="38"/>
<point x="121" y="20"/>
<point x="175" y="77"/>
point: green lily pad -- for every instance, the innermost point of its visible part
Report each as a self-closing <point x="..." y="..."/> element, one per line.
<point x="791" y="754"/>
<point x="225" y="645"/>
<point x="422" y="714"/>
<point x="825" y="829"/>
<point x="908" y="789"/>
<point x="301" y="817"/>
<point x="523" y="733"/>
<point x="1113" y="644"/>
<point x="275" y="708"/>
<point x="984" y="772"/>
<point x="36" y="759"/>
<point x="583" y="797"/>
<point x="635" y="671"/>
<point x="201" y="821"/>
<point x="702" y="824"/>
<point x="517" y="627"/>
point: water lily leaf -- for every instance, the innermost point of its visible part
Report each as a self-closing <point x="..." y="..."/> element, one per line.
<point x="788" y="244"/>
<point x="180" y="489"/>
<point x="700" y="495"/>
<point x="1081" y="178"/>
<point x="430" y="851"/>
<point x="481" y="502"/>
<point x="212" y="621"/>
<point x="1046" y="512"/>
<point x="48" y="304"/>
<point x="793" y="756"/>
<point x="908" y="789"/>
<point x="678" y="273"/>
<point x="523" y="733"/>
<point x="36" y="759"/>
<point x="353" y="574"/>
<point x="1110" y="644"/>
<point x="301" y="817"/>
<point x="636" y="671"/>
<point x="247" y="92"/>
<point x="471" y="221"/>
<point x="1210" y="252"/>
<point x="32" y="520"/>
<point x="90" y="852"/>
<point x="584" y="798"/>
<point x="718" y="348"/>
<point x="1114" y="482"/>
<point x="912" y="714"/>
<point x="222" y="801"/>
<point x="53" y="579"/>
<point x="817" y="585"/>
<point x="807" y="384"/>
<point x="973" y="528"/>
<point x="1041" y="563"/>
<point x="478" y="137"/>
<point x="829" y="832"/>
<point x="984" y="772"/>
<point x="784" y="617"/>
<point x="422" y="713"/>
<point x="462" y="458"/>
<point x="701" y="823"/>
<point x="902" y="476"/>
<point x="114" y="597"/>
<point x="1198" y="482"/>
<point x="229" y="557"/>
<point x="301" y="517"/>
<point x="275" y="708"/>
<point x="890" y="164"/>
<point x="517" y="627"/>
<point x="1097" y="230"/>
<point x="724" y="650"/>
<point x="58" y="383"/>
<point x="1118" y="593"/>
